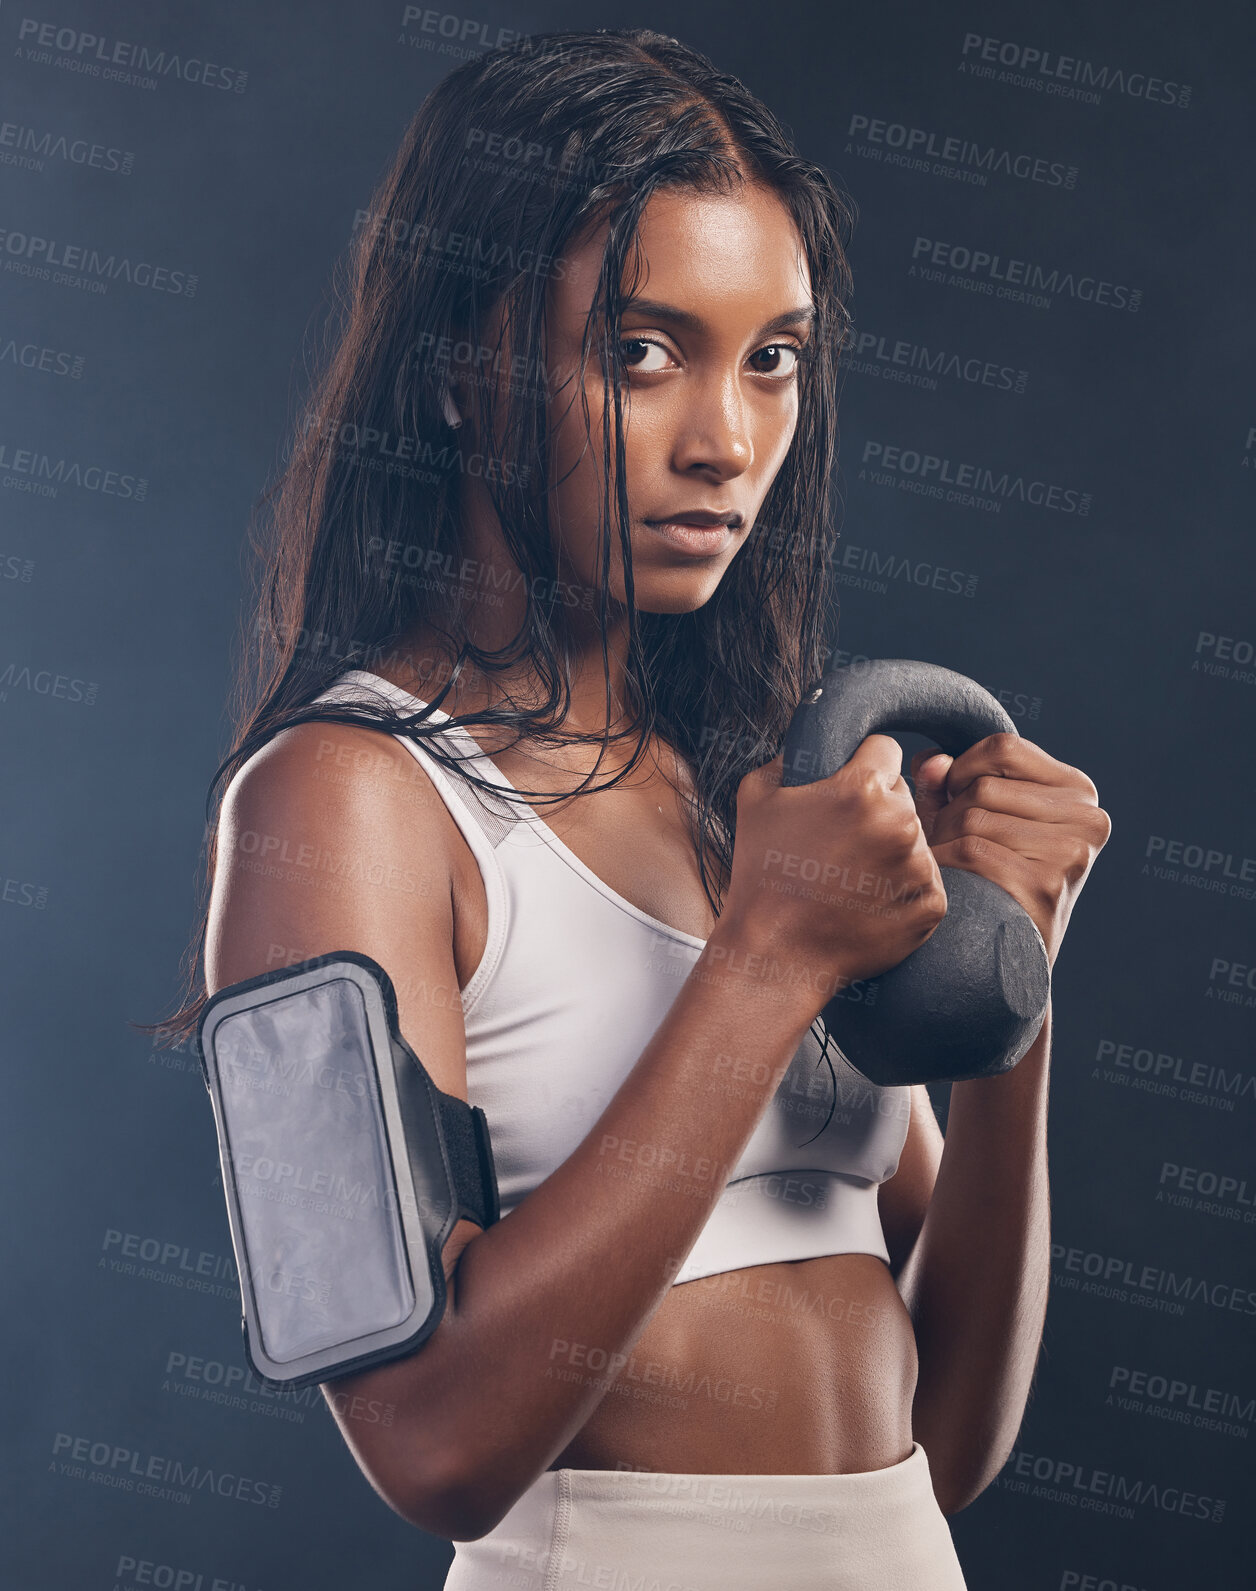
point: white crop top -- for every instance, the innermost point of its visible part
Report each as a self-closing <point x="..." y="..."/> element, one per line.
<point x="572" y="985"/>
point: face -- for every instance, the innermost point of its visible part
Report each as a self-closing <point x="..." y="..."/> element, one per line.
<point x="712" y="338"/>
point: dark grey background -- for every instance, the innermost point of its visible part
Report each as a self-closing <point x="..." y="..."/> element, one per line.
<point x="1092" y="627"/>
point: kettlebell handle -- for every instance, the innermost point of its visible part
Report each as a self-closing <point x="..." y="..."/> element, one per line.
<point x="887" y="694"/>
<point x="970" y="1000"/>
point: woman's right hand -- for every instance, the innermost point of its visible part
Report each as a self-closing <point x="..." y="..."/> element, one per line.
<point x="835" y="877"/>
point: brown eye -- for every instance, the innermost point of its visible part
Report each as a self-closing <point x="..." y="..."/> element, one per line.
<point x="641" y="345"/>
<point x="793" y="358"/>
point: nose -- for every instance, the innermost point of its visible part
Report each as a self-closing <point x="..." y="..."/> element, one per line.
<point x="714" y="433"/>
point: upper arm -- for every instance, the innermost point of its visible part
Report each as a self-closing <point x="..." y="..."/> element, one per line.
<point x="904" y="1198"/>
<point x="332" y="837"/>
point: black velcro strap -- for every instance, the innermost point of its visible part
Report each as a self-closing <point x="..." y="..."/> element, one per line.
<point x="470" y="1158"/>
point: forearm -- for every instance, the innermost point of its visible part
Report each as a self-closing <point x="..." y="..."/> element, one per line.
<point x="977" y="1279"/>
<point x="546" y="1304"/>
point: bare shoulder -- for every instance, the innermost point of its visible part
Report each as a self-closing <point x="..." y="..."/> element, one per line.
<point x="332" y="837"/>
<point x="327" y="823"/>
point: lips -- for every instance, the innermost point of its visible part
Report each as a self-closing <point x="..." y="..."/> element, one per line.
<point x="700" y="518"/>
<point x="703" y="535"/>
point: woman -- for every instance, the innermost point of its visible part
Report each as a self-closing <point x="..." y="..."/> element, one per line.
<point x="562" y="507"/>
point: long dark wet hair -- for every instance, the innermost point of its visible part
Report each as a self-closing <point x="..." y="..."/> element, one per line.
<point x="508" y="160"/>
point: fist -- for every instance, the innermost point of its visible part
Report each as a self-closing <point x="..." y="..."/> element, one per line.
<point x="1008" y="810"/>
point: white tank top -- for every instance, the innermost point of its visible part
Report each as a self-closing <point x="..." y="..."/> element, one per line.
<point x="572" y="985"/>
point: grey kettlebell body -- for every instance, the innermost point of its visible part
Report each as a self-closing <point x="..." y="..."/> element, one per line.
<point x="971" y="1000"/>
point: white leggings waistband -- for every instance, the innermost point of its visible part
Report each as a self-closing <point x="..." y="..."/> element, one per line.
<point x="625" y="1530"/>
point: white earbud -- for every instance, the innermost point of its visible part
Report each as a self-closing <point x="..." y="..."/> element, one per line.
<point x="450" y="409"/>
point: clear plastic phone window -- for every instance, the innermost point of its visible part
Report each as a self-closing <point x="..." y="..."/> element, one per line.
<point x="318" y="1203"/>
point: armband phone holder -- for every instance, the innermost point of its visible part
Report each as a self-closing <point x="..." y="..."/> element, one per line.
<point x="344" y="1167"/>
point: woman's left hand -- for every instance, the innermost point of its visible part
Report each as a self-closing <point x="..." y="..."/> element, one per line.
<point x="1008" y="810"/>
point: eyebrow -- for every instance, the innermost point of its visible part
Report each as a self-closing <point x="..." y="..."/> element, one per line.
<point x="804" y="315"/>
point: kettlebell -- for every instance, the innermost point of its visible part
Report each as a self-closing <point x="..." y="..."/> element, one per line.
<point x="970" y="1001"/>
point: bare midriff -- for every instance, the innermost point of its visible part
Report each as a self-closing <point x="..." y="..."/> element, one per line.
<point x="806" y="1367"/>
